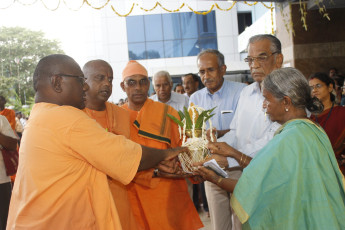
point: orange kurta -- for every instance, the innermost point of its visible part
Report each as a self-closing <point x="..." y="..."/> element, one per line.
<point x="159" y="203"/>
<point x="116" y="120"/>
<point x="11" y="117"/>
<point x="62" y="179"/>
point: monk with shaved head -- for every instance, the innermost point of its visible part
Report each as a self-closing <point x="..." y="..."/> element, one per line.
<point x="65" y="157"/>
<point x="114" y="119"/>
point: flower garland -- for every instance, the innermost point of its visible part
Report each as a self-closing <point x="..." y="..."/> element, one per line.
<point x="303" y="10"/>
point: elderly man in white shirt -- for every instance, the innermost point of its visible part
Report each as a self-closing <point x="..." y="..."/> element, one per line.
<point x="163" y="84"/>
<point x="250" y="129"/>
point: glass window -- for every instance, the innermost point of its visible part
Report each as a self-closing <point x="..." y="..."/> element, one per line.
<point x="135" y="29"/>
<point x="189" y="25"/>
<point x="244" y="20"/>
<point x="153" y="27"/>
<point x="172" y="48"/>
<point x="136" y="51"/>
<point x="170" y="35"/>
<point x="208" y="43"/>
<point x="154" y="50"/>
<point x="207" y="24"/>
<point x="190" y="47"/>
<point x="171" y="26"/>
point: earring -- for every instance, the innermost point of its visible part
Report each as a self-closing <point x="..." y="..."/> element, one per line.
<point x="286" y="109"/>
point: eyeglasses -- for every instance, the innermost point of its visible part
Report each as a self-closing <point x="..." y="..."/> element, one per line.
<point x="317" y="86"/>
<point x="133" y="83"/>
<point x="260" y="59"/>
<point x="208" y="71"/>
<point x="80" y="78"/>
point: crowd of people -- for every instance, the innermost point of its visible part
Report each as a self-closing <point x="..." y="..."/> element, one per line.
<point x="86" y="163"/>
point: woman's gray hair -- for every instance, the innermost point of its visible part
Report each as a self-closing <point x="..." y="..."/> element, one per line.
<point x="162" y="74"/>
<point x="290" y="82"/>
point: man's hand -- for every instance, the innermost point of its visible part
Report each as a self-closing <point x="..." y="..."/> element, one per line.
<point x="178" y="175"/>
<point x="172" y="153"/>
<point x="169" y="166"/>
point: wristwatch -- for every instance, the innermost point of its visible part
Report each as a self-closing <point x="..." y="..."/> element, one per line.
<point x="155" y="172"/>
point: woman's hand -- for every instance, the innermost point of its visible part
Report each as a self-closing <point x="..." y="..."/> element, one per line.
<point x="221" y="148"/>
<point x="208" y="175"/>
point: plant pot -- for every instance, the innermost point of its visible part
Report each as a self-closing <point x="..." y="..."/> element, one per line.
<point x="197" y="133"/>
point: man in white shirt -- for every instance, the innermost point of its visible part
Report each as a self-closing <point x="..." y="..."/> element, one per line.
<point x="163" y="84"/>
<point x="8" y="140"/>
<point x="250" y="129"/>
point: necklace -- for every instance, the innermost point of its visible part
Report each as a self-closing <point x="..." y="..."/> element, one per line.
<point x="328" y="115"/>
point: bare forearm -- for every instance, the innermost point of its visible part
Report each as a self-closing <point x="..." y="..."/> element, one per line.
<point x="8" y="143"/>
<point x="242" y="159"/>
<point x="227" y="184"/>
<point x="151" y="157"/>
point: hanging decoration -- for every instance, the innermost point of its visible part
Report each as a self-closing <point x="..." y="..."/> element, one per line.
<point x="28" y="3"/>
<point x="107" y="2"/>
<point x="215" y="5"/>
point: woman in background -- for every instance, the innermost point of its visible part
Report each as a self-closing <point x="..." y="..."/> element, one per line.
<point x="332" y="119"/>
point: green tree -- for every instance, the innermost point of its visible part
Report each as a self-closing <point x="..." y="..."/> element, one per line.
<point x="20" y="51"/>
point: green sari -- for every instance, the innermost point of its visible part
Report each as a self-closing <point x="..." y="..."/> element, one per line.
<point x="294" y="182"/>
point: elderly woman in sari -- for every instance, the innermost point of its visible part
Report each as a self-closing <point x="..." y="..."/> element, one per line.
<point x="294" y="182"/>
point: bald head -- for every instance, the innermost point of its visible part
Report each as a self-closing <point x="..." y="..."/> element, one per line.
<point x="59" y="80"/>
<point x="99" y="77"/>
<point x="90" y="66"/>
<point x="50" y="65"/>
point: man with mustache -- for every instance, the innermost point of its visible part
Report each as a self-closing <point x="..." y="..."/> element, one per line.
<point x="190" y="83"/>
<point x="250" y="130"/>
<point x="65" y="157"/>
<point x="162" y="83"/>
<point x="114" y="119"/>
<point x="158" y="202"/>
<point x="224" y="96"/>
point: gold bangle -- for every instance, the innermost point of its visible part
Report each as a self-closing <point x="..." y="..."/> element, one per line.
<point x="245" y="159"/>
<point x="219" y="180"/>
<point x="241" y="159"/>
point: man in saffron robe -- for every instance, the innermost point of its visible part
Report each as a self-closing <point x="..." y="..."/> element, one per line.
<point x="62" y="179"/>
<point x="8" y="113"/>
<point x="114" y="119"/>
<point x="157" y="202"/>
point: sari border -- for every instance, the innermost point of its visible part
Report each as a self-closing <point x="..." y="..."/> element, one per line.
<point x="240" y="212"/>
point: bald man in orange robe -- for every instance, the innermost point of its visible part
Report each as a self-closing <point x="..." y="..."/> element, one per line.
<point x="62" y="177"/>
<point x="114" y="119"/>
<point x="158" y="202"/>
